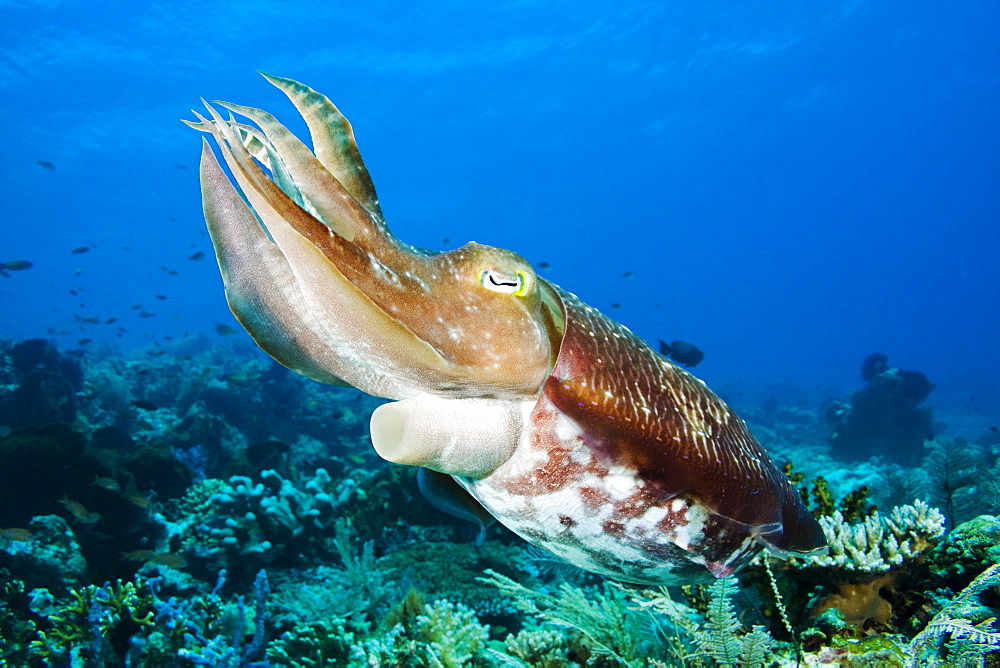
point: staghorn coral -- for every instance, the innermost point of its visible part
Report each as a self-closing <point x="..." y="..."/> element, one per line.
<point x="863" y="565"/>
<point x="879" y="542"/>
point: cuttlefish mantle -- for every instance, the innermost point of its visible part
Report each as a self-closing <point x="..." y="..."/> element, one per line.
<point x="557" y="420"/>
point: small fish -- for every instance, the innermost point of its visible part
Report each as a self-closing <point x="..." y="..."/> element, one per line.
<point x="110" y="321"/>
<point x="616" y="305"/>
<point x="91" y="321"/>
<point x="146" y="314"/>
<point x="243" y="380"/>
<point x="85" y="342"/>
<point x="80" y="249"/>
<point x="196" y="256"/>
<point x="224" y="330"/>
<point x="73" y="292"/>
<point x="161" y="297"/>
<point x="78" y="511"/>
<point x="46" y="165"/>
<point x="172" y="560"/>
<point x="106" y="483"/>
<point x="16" y="265"/>
<point x="143" y="405"/>
<point x="135" y="497"/>
<point x="17" y="535"/>
<point x="179" y="166"/>
<point x="544" y="265"/>
<point x="682" y="352"/>
<point x="139" y="500"/>
<point x="628" y="274"/>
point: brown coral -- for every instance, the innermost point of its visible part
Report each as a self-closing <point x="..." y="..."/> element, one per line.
<point x="860" y="601"/>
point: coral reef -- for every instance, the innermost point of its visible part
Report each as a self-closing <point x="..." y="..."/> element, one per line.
<point x="883" y="417"/>
<point x="137" y="522"/>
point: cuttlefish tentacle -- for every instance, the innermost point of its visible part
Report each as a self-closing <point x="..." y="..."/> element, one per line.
<point x="333" y="140"/>
<point x="260" y="285"/>
<point x="559" y="421"/>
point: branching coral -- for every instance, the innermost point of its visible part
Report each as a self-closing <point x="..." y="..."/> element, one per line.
<point x="862" y="566"/>
<point x="243" y="524"/>
<point x="878" y="543"/>
<point x="86" y="628"/>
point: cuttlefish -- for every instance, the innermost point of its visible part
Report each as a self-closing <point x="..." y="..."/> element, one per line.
<point x="550" y="416"/>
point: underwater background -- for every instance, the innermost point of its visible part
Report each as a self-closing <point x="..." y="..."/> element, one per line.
<point x="808" y="192"/>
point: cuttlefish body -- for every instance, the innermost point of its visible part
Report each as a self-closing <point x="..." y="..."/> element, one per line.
<point x="560" y="422"/>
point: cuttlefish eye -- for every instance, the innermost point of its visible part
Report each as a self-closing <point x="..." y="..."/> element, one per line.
<point x="506" y="282"/>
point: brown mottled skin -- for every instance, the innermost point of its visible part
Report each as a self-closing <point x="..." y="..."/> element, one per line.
<point x="603" y="380"/>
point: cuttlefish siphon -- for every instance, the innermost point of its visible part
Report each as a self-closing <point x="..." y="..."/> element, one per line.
<point x="558" y="421"/>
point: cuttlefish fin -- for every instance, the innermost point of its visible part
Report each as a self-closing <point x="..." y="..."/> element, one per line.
<point x="260" y="287"/>
<point x="333" y="140"/>
<point x="444" y="493"/>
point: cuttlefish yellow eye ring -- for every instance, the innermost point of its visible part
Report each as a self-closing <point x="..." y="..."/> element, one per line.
<point x="498" y="281"/>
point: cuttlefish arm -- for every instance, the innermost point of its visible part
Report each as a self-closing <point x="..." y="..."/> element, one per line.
<point x="556" y="419"/>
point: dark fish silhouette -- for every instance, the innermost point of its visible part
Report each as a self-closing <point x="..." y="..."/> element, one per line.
<point x="80" y="249"/>
<point x="682" y="352"/>
<point x="16" y="265"/>
<point x="46" y="165"/>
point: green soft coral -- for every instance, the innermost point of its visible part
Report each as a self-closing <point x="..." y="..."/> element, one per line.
<point x="116" y="608"/>
<point x="452" y="632"/>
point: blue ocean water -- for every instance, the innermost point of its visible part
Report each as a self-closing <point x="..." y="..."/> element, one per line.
<point x="791" y="186"/>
